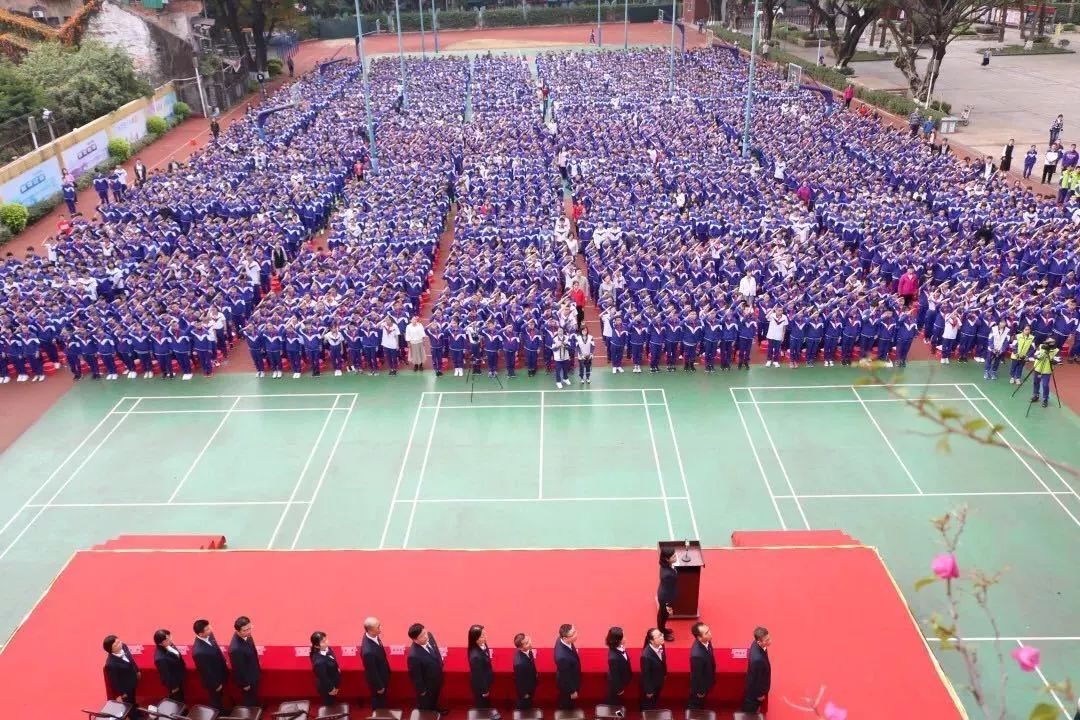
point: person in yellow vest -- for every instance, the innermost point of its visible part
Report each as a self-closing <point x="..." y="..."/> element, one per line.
<point x="1044" y="368"/>
<point x="1021" y="350"/>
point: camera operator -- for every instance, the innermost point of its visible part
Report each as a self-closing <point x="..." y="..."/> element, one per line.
<point x="1045" y="357"/>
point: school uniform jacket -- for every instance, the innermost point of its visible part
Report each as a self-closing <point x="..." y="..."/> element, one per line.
<point x="123" y="675"/>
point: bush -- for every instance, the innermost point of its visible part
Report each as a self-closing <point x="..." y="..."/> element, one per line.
<point x="274" y="67"/>
<point x="941" y="106"/>
<point x="1068" y="27"/>
<point x="5" y="234"/>
<point x="119" y="149"/>
<point x="156" y="126"/>
<point x="181" y="110"/>
<point x="40" y="209"/>
<point x="13" y="216"/>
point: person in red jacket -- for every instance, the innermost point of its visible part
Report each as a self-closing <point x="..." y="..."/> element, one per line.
<point x="908" y="287"/>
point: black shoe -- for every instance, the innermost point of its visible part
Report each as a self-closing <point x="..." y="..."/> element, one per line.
<point x="1044" y="403"/>
<point x="1035" y="399"/>
<point x="669" y="636"/>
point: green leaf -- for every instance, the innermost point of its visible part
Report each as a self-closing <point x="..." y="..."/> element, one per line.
<point x="920" y="584"/>
<point x="1043" y="711"/>
<point x="948" y="413"/>
<point x="943" y="444"/>
<point x="975" y="424"/>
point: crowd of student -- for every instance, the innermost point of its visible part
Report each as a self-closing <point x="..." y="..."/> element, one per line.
<point x="838" y="237"/>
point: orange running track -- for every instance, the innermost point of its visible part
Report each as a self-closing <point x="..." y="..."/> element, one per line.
<point x="835" y="614"/>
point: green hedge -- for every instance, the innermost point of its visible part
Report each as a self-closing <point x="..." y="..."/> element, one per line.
<point x="119" y="149"/>
<point x="156" y="125"/>
<point x="13" y="216"/>
<point x="1067" y="12"/>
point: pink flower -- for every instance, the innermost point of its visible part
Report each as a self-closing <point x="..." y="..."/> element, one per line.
<point x="1026" y="657"/>
<point x="834" y="712"/>
<point x="945" y="567"/>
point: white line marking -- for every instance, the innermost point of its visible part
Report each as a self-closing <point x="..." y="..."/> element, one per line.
<point x="1046" y="683"/>
<point x="845" y="387"/>
<point x="776" y="453"/>
<point x="261" y="396"/>
<point x="423" y="470"/>
<point x="209" y="441"/>
<point x="659" y="472"/>
<point x="537" y="407"/>
<point x="540" y="475"/>
<point x="847" y="402"/>
<point x="300" y="479"/>
<point x="71" y="477"/>
<point x="424" y="501"/>
<point x="322" y="475"/>
<point x="761" y="468"/>
<point x="678" y="459"/>
<point x="401" y="471"/>
<point x="1020" y="457"/>
<point x="887" y="442"/>
<point x="825" y="496"/>
<point x="519" y="392"/>
<point x="60" y="467"/>
<point x="234" y="411"/>
<point x="179" y="503"/>
<point x="1045" y="638"/>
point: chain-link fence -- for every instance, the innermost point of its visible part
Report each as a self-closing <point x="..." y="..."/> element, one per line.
<point x="21" y="135"/>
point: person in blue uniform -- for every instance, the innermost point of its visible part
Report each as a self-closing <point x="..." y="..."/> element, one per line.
<point x="70" y="198"/>
<point x="525" y="675"/>
<point x="653" y="669"/>
<point x="325" y="667"/>
<point x="294" y="350"/>
<point x="425" y="664"/>
<point x="532" y="343"/>
<point x="656" y="345"/>
<point x="492" y="342"/>
<point x="313" y="347"/>
<point x="180" y="346"/>
<point x="244" y="660"/>
<point x="906" y="332"/>
<point x="256" y="345"/>
<point x="702" y="665"/>
<point x="101" y="187"/>
<point x="748" y="332"/>
<point x="170" y="665"/>
<point x="567" y="667"/>
<point x="122" y="673"/>
<point x="666" y="592"/>
<point x="203" y="340"/>
<point x="510" y="344"/>
<point x="619" y="672"/>
<point x="272" y="345"/>
<point x="617" y="345"/>
<point x="481" y="674"/>
<point x="437" y="339"/>
<point x="692" y="332"/>
<point x="458" y="342"/>
<point x="758" y="672"/>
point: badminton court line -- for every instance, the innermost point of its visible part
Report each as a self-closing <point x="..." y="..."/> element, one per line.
<point x="835" y="387"/>
<point x="849" y="496"/>
<point x="887" y="441"/>
<point x="401" y="471"/>
<point x="546" y="406"/>
<point x="71" y="477"/>
<point x="226" y="397"/>
<point x="178" y="503"/>
<point x="209" y="441"/>
<point x="779" y="462"/>
<point x="322" y="475"/>
<point x="540" y="473"/>
<point x="1046" y="684"/>
<point x="303" y="473"/>
<point x="234" y="411"/>
<point x="621" y="498"/>
<point x="659" y="472"/>
<point x="423" y="471"/>
<point x="678" y="459"/>
<point x="761" y="468"/>
<point x="852" y="402"/>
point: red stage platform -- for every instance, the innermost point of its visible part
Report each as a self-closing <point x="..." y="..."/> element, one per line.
<point x="836" y="617"/>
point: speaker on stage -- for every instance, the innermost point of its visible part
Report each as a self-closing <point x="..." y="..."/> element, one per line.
<point x="689" y="560"/>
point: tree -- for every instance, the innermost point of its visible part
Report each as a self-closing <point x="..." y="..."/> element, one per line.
<point x="82" y="84"/>
<point x="855" y="16"/>
<point x="930" y="25"/>
<point x="261" y="16"/>
<point x="18" y="96"/>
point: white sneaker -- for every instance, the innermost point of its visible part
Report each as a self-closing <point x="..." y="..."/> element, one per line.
<point x="4" y="379"/>
<point x="295" y="375"/>
<point x="258" y="373"/>
<point x="337" y="373"/>
<point x="132" y="374"/>
<point x="21" y="378"/>
<point x="614" y="370"/>
<point x="588" y="380"/>
<point x="39" y="378"/>
<point x="621" y="370"/>
<point x="558" y="385"/>
<point x="944" y="361"/>
<point x="148" y="374"/>
<point x="979" y="359"/>
<point x="889" y="364"/>
<point x="187" y="376"/>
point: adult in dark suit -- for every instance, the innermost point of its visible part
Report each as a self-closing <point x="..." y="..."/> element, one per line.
<point x="653" y="668"/>
<point x="170" y="665"/>
<point x="619" y="672"/>
<point x="702" y="666"/>
<point x="122" y="672"/>
<point x="325" y="666"/>
<point x="244" y="658"/>
<point x="758" y="672"/>
<point x="481" y="675"/>
<point x="425" y="668"/>
<point x="376" y="664"/>
<point x="525" y="675"/>
<point x="209" y="662"/>
<point x="567" y="667"/>
<point x="665" y="593"/>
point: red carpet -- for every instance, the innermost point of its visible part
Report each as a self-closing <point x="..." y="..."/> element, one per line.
<point x="836" y="617"/>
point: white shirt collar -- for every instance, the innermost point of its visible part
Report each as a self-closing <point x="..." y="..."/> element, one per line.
<point x="566" y="643"/>
<point x="374" y="638"/>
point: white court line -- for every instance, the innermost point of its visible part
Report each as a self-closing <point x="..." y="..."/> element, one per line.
<point x="401" y="471"/>
<point x="226" y="410"/>
<point x="222" y="397"/>
<point x="678" y="459"/>
<point x="322" y="475"/>
<point x="1045" y="638"/>
<point x="209" y="440"/>
<point x="659" y="472"/>
<point x="780" y="462"/>
<point x="423" y="470"/>
<point x="1034" y="449"/>
<point x="303" y="472"/>
<point x="179" y="503"/>
<point x="887" y="442"/>
<point x="60" y="467"/>
<point x="540" y="476"/>
<point x="427" y="501"/>
<point x="1004" y="493"/>
<point x="764" y="477"/>
<point x="851" y="402"/>
<point x="71" y="477"/>
<point x="548" y="406"/>
<point x="845" y="387"/>
<point x="1020" y="457"/>
<point x="1046" y="684"/>
<point x="519" y="392"/>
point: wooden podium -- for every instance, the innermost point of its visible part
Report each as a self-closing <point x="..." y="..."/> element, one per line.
<point x="688" y="562"/>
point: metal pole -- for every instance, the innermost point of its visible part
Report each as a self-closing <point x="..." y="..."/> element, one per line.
<point x="930" y="89"/>
<point x="372" y="150"/>
<point x="198" y="84"/>
<point x="599" y="30"/>
<point x="435" y="25"/>
<point x="750" y="82"/>
<point x="33" y="135"/>
<point x="423" y="42"/>
<point x="626" y="25"/>
<point x="401" y="52"/>
<point x="671" y="63"/>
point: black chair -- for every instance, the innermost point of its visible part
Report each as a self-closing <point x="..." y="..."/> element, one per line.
<point x="111" y="709"/>
<point x="337" y="711"/>
<point x="656" y="715"/>
<point x="748" y="716"/>
<point x="386" y="714"/>
<point x="569" y="714"/>
<point x="170" y="707"/>
<point x="423" y="715"/>
<point x="609" y="712"/>
<point x="700" y="715"/>
<point x="292" y="710"/>
<point x="243" y="712"/>
<point x="483" y="714"/>
<point x="195" y="712"/>
<point x="530" y="714"/>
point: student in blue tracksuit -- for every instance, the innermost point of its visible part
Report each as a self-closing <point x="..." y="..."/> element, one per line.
<point x="437" y="341"/>
<point x="906" y="332"/>
<point x="294" y="351"/>
<point x="458" y="340"/>
<point x="180" y="345"/>
<point x="968" y="330"/>
<point x="729" y="335"/>
<point x="125" y="348"/>
<point x="886" y="336"/>
<point x="354" y="340"/>
<point x="710" y="338"/>
<point x="796" y="338"/>
<point x="313" y="346"/>
<point x="90" y="356"/>
<point x="371" y="344"/>
<point x="162" y="350"/>
<point x="32" y="352"/>
<point x="106" y="347"/>
<point x="867" y="335"/>
<point x="492" y="345"/>
<point x="834" y="329"/>
<point x="815" y="331"/>
<point x="692" y="332"/>
<point x="638" y="337"/>
<point x="748" y="332"/>
<point x="256" y="345"/>
<point x="475" y="338"/>
<point x="101" y="187"/>
<point x="273" y="344"/>
<point x="335" y="344"/>
<point x="532" y="344"/>
<point x="617" y="346"/>
<point x="70" y="197"/>
<point x="656" y="345"/>
<point x="850" y="335"/>
<point x="203" y="345"/>
<point x="74" y="347"/>
<point x="672" y="341"/>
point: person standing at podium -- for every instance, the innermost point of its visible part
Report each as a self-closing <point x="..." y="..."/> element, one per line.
<point x="653" y="668"/>
<point x="567" y="667"/>
<point x="702" y="666"/>
<point x="169" y="664"/>
<point x="619" y="672"/>
<point x="376" y="666"/>
<point x="210" y="662"/>
<point x="758" y="672"/>
<point x="524" y="671"/>
<point x="325" y="666"/>
<point x="480" y="673"/>
<point x="122" y="672"/>
<point x="244" y="658"/>
<point x="425" y="668"/>
<point x="666" y="593"/>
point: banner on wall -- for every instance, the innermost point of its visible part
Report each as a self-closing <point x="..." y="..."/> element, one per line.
<point x="163" y="106"/>
<point x="131" y="128"/>
<point x="36" y="184"/>
<point x="83" y="156"/>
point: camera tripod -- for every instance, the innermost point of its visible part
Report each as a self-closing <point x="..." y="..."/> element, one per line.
<point x="473" y="371"/>
<point x="1053" y="384"/>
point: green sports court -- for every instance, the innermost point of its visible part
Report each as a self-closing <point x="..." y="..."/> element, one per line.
<point x="420" y="462"/>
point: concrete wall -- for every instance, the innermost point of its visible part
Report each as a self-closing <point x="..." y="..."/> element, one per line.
<point x="36" y="176"/>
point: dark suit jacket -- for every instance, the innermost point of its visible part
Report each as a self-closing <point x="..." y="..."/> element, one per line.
<point x="702" y="668"/>
<point x="618" y="672"/>
<point x="210" y="662"/>
<point x="524" y="673"/>
<point x="376" y="666"/>
<point x="758" y="673"/>
<point x="480" y="673"/>
<point x="426" y="668"/>
<point x="665" y="594"/>
<point x="170" y="668"/>
<point x="327" y="672"/>
<point x="567" y="668"/>
<point x="653" y="671"/>
<point x="123" y="676"/>
<point x="245" y="661"/>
